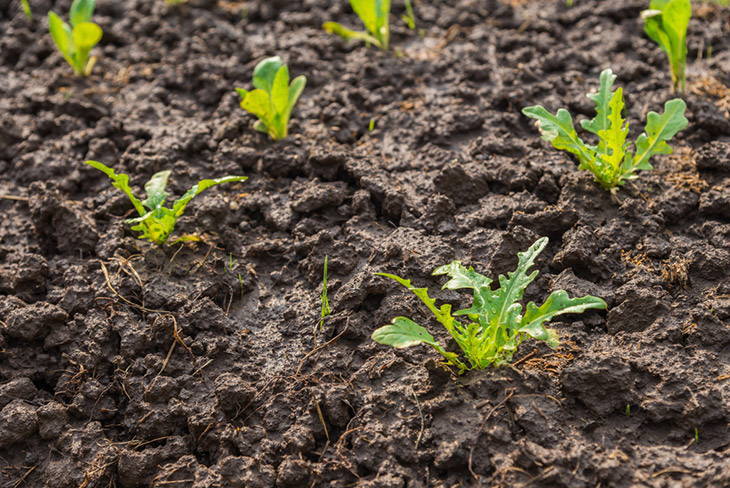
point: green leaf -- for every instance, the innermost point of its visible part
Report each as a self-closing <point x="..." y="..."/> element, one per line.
<point x="658" y="130"/>
<point x="349" y="34"/>
<point x="403" y="332"/>
<point x="258" y="103"/>
<point x="25" y="5"/>
<point x="155" y="188"/>
<point x="612" y="151"/>
<point x="119" y="181"/>
<point x="557" y="303"/>
<point x="601" y="98"/>
<point x="559" y="131"/>
<point x="666" y="22"/>
<point x="280" y="90"/>
<point x="61" y="34"/>
<point x="367" y="10"/>
<point x="179" y="206"/>
<point x="265" y="72"/>
<point x="86" y="35"/>
<point x="295" y="90"/>
<point x="81" y="11"/>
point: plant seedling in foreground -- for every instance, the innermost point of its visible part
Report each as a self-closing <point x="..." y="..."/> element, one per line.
<point x="611" y="161"/>
<point x="75" y="41"/>
<point x="374" y="14"/>
<point x="666" y="22"/>
<point x="495" y="324"/>
<point x="156" y="222"/>
<point x="273" y="98"/>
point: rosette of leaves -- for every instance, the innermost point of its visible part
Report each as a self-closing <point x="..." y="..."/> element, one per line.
<point x="611" y="161"/>
<point x="489" y="332"/>
<point x="76" y="41"/>
<point x="156" y="222"/>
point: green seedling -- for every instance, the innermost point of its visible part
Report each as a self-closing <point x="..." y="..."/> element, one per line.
<point x="75" y="41"/>
<point x="666" y="22"/>
<point x="156" y="222"/>
<point x="611" y="161"/>
<point x="273" y="98"/>
<point x="496" y="324"/>
<point x="325" y="310"/>
<point x="409" y="18"/>
<point x="25" y="5"/>
<point x="374" y="15"/>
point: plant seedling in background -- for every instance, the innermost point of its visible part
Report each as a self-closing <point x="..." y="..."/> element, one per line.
<point x="666" y="22"/>
<point x="75" y="41"/>
<point x="326" y="310"/>
<point x="611" y="161"/>
<point x="273" y="98"/>
<point x="156" y="222"/>
<point x="374" y="14"/>
<point x="409" y="18"/>
<point x="25" y="5"/>
<point x="496" y="324"/>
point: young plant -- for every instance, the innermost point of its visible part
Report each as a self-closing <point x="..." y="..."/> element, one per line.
<point x="374" y="15"/>
<point x="665" y="22"/>
<point x="611" y="161"/>
<point x="156" y="222"/>
<point x="25" y="6"/>
<point x="325" y="309"/>
<point x="274" y="98"/>
<point x="76" y="41"/>
<point x="495" y="324"/>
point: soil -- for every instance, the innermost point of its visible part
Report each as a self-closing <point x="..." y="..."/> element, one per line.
<point x="202" y="365"/>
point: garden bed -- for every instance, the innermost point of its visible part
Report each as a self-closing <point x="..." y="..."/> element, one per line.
<point x="123" y="364"/>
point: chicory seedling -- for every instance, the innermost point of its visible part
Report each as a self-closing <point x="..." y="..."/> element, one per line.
<point x="25" y="5"/>
<point x="666" y="22"/>
<point x="325" y="309"/>
<point x="274" y="98"/>
<point x="611" y="161"/>
<point x="75" y="41"/>
<point x="374" y="14"/>
<point x="156" y="222"/>
<point x="496" y="324"/>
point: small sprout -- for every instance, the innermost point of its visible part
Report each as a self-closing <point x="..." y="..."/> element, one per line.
<point x="75" y="41"/>
<point x="611" y="161"/>
<point x="628" y="410"/>
<point x="25" y="5"/>
<point x="666" y="22"/>
<point x="496" y="325"/>
<point x="371" y="125"/>
<point x="697" y="435"/>
<point x="409" y="18"/>
<point x="374" y="15"/>
<point x="326" y="310"/>
<point x="156" y="222"/>
<point x="175" y="2"/>
<point x="274" y="98"/>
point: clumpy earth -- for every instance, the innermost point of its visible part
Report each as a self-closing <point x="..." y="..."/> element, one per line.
<point x="203" y="364"/>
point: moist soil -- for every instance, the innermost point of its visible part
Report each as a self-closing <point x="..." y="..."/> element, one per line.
<point x="123" y="364"/>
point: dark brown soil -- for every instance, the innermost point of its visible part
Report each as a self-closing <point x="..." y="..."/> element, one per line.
<point x="125" y="365"/>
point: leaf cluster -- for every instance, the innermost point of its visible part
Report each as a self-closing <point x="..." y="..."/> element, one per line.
<point x="374" y="15"/>
<point x="611" y="161"/>
<point x="495" y="324"/>
<point x="76" y="41"/>
<point x="155" y="221"/>
<point x="273" y="98"/>
<point x="666" y="22"/>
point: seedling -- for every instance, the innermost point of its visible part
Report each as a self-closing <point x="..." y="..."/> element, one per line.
<point x="326" y="310"/>
<point x="76" y="41"/>
<point x="611" y="161"/>
<point x="274" y="98"/>
<point x="496" y="325"/>
<point x="409" y="18"/>
<point x="25" y="5"/>
<point x="156" y="222"/>
<point x="666" y="22"/>
<point x="374" y="15"/>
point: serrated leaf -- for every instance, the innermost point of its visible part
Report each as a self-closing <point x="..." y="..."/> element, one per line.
<point x="612" y="150"/>
<point x="557" y="303"/>
<point x="559" y="131"/>
<point x="658" y="130"/>
<point x="602" y="99"/>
